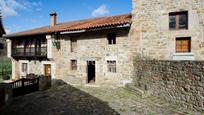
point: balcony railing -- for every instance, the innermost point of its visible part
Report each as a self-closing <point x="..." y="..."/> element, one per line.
<point x="29" y="52"/>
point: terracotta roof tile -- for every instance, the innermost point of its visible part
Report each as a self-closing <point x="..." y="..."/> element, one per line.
<point x="87" y="24"/>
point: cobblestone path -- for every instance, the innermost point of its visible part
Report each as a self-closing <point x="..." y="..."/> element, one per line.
<point x="65" y="99"/>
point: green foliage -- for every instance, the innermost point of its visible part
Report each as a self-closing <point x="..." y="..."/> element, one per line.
<point x="6" y="77"/>
<point x="5" y="68"/>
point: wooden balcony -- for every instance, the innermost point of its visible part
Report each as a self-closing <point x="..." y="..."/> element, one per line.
<point x="29" y="53"/>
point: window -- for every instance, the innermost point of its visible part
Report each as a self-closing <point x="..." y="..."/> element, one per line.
<point x="73" y="45"/>
<point x="183" y="45"/>
<point x="73" y="64"/>
<point x="111" y="38"/>
<point x="1" y="46"/>
<point x="111" y="66"/>
<point x="24" y="67"/>
<point x="178" y="20"/>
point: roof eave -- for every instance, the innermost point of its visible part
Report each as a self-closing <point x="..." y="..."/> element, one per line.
<point x="124" y="25"/>
<point x="16" y="36"/>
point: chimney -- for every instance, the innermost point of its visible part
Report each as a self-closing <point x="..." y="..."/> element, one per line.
<point x="53" y="20"/>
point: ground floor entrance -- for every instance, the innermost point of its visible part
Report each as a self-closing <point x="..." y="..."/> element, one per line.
<point x="91" y="71"/>
<point x="47" y="69"/>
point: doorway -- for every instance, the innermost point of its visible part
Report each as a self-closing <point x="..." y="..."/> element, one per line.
<point x="47" y="69"/>
<point x="91" y="71"/>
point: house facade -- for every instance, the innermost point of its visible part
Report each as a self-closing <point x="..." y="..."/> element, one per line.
<point x="87" y="51"/>
<point x="102" y="50"/>
<point x="169" y="29"/>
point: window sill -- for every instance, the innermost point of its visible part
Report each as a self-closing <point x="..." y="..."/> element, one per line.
<point x="183" y="56"/>
<point x="112" y="44"/>
<point x="112" y="72"/>
<point x="178" y="29"/>
<point x="73" y="70"/>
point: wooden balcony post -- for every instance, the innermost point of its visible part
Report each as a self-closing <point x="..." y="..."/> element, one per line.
<point x="49" y="46"/>
<point x="9" y="43"/>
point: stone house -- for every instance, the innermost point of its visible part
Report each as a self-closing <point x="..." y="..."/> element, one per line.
<point x="102" y="49"/>
<point x="92" y="50"/>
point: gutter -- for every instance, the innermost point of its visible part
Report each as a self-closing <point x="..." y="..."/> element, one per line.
<point x="123" y="26"/>
<point x="82" y="31"/>
<point x="73" y="32"/>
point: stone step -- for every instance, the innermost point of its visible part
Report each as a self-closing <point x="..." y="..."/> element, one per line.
<point x="137" y="91"/>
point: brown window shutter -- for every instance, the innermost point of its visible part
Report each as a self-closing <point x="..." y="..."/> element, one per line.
<point x="183" y="44"/>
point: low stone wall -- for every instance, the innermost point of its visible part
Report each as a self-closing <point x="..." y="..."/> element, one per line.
<point x="181" y="82"/>
<point x="44" y="82"/>
<point x="5" y="94"/>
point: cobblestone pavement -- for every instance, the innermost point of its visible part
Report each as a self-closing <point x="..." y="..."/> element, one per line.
<point x="64" y="99"/>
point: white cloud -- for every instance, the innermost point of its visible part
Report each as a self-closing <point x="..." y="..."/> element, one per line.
<point x="100" y="11"/>
<point x="8" y="31"/>
<point x="10" y="7"/>
<point x="30" y="5"/>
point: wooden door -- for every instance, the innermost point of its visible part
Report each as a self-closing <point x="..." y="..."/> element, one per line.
<point x="47" y="69"/>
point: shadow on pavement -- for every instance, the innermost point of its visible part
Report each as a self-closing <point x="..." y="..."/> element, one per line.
<point x="61" y="99"/>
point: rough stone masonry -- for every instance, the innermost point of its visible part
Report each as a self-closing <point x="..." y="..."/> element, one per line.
<point x="150" y="33"/>
<point x="181" y="82"/>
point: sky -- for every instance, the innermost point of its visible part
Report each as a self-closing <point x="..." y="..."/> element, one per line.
<point x="20" y="15"/>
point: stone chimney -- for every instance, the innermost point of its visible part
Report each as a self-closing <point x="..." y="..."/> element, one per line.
<point x="53" y="19"/>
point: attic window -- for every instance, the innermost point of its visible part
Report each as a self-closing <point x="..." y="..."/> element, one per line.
<point x="111" y="38"/>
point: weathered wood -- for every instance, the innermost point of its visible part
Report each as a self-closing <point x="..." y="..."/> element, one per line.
<point x="25" y="86"/>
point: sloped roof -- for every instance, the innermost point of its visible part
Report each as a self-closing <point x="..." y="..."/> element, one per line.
<point x="88" y="24"/>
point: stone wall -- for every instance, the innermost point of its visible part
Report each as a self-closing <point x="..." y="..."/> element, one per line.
<point x="181" y="82"/>
<point x="91" y="46"/>
<point x="150" y="31"/>
<point x="6" y="94"/>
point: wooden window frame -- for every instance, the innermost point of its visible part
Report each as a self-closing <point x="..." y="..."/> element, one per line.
<point x="73" y="45"/>
<point x="24" y="69"/>
<point x="182" y="39"/>
<point x="73" y="65"/>
<point x="111" y="66"/>
<point x="177" y="14"/>
<point x="111" y="37"/>
<point x="30" y="47"/>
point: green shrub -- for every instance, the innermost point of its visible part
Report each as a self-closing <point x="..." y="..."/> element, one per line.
<point x="5" y="68"/>
<point x="6" y="77"/>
